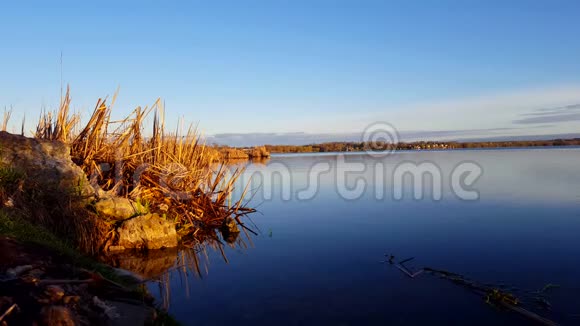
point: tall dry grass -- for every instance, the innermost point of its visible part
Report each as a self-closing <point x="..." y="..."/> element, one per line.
<point x="5" y="119"/>
<point x="174" y="173"/>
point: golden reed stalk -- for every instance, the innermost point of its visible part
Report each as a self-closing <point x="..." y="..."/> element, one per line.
<point x="175" y="174"/>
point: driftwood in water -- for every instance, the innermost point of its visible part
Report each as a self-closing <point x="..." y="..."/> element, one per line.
<point x="490" y="294"/>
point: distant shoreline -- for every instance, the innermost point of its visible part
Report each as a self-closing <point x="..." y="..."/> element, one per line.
<point x="354" y="147"/>
<point x="274" y="155"/>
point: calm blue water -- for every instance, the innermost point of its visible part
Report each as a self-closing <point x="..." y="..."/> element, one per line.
<point x="316" y="260"/>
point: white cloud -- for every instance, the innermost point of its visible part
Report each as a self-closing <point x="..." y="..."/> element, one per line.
<point x="488" y="115"/>
<point x="487" y="111"/>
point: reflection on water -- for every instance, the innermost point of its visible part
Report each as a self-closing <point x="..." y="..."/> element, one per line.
<point x="195" y="261"/>
<point x="157" y="266"/>
<point x="145" y="265"/>
<point x="316" y="261"/>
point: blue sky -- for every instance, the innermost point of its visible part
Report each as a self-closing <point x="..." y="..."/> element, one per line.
<point x="286" y="71"/>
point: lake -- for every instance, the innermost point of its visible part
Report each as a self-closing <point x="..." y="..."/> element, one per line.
<point x="506" y="217"/>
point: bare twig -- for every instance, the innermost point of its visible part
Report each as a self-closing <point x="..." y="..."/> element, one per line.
<point x="50" y="282"/>
<point x="528" y="314"/>
<point x="491" y="294"/>
<point x="9" y="311"/>
<point x="406" y="260"/>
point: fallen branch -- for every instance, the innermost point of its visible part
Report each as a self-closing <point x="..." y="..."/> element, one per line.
<point x="407" y="272"/>
<point x="244" y="226"/>
<point x="51" y="282"/>
<point x="489" y="293"/>
<point x="406" y="260"/>
<point x="9" y="311"/>
<point x="529" y="314"/>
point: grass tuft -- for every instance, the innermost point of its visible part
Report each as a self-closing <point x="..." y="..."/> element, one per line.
<point x="174" y="172"/>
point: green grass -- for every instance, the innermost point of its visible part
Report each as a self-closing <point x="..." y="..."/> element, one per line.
<point x="10" y="176"/>
<point x="15" y="226"/>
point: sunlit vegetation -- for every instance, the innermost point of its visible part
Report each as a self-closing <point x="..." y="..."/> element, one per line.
<point x="173" y="172"/>
<point x="362" y="146"/>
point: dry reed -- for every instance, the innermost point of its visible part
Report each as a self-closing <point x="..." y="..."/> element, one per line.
<point x="175" y="174"/>
<point x="5" y="119"/>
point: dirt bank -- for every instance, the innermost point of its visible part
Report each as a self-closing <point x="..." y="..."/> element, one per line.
<point x="41" y="286"/>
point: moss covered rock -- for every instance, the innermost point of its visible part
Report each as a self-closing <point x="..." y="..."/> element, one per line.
<point x="117" y="208"/>
<point x="147" y="232"/>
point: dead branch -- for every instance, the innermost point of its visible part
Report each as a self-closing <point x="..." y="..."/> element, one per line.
<point x="490" y="294"/>
<point x="9" y="311"/>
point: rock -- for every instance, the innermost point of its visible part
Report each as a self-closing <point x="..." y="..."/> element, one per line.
<point x="108" y="310"/>
<point x="130" y="275"/>
<point x="116" y="248"/>
<point x="233" y="154"/>
<point x="259" y="152"/>
<point x="71" y="299"/>
<point x="132" y="314"/>
<point x="56" y="315"/>
<point x="230" y="230"/>
<point x="147" y="232"/>
<point x="117" y="208"/>
<point x="16" y="271"/>
<point x="54" y="293"/>
<point x="46" y="162"/>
